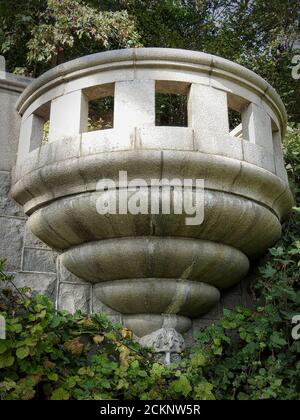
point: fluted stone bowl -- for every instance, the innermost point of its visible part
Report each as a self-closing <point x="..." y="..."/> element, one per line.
<point x="154" y="267"/>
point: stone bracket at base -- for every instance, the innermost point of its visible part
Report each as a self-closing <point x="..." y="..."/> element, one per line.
<point x="166" y="341"/>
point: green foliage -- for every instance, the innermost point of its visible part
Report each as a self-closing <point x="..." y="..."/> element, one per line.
<point x="292" y="158"/>
<point x="59" y="356"/>
<point x="171" y="109"/>
<point x="258" y="34"/>
<point x="101" y="113"/>
<point x="36" y="35"/>
<point x="49" y="355"/>
<point x="262" y="362"/>
<point x="251" y="353"/>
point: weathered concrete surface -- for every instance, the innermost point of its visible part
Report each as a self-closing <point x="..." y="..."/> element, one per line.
<point x="8" y="206"/>
<point x="134" y="104"/>
<point x="141" y="257"/>
<point x="178" y="138"/>
<point x="10" y="124"/>
<point x="10" y="88"/>
<point x="153" y="296"/>
<point x="42" y="283"/>
<point x="246" y="190"/>
<point x="11" y="244"/>
<point x="229" y="218"/>
<point x="63" y="111"/>
<point x="41" y="260"/>
<point x="74" y="297"/>
<point x="143" y="324"/>
<point x="32" y="241"/>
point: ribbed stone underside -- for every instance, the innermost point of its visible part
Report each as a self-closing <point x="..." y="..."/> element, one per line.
<point x="159" y="257"/>
<point x="156" y="264"/>
<point x="180" y="299"/>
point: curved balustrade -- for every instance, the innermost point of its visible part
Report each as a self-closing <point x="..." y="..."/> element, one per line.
<point x="153" y="267"/>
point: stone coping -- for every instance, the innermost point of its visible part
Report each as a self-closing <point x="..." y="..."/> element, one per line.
<point x="183" y="60"/>
<point x="9" y="81"/>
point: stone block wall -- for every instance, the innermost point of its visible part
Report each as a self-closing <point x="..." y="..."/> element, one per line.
<point x="32" y="263"/>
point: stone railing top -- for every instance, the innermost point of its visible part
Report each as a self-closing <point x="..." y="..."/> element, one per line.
<point x="11" y="81"/>
<point x="183" y="60"/>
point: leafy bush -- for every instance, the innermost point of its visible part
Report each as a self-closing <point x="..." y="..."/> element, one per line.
<point x="292" y="158"/>
<point x="49" y="355"/>
<point x="265" y="361"/>
<point x="249" y="354"/>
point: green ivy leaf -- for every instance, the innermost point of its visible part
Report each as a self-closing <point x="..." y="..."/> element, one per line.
<point x="268" y="271"/>
<point x="3" y="346"/>
<point x="6" y="360"/>
<point x="198" y="360"/>
<point x="182" y="386"/>
<point x="277" y="340"/>
<point x="53" y="376"/>
<point x="22" y="352"/>
<point x="60" y="394"/>
<point x="203" y="391"/>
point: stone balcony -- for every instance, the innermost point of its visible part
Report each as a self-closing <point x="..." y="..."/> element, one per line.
<point x="153" y="268"/>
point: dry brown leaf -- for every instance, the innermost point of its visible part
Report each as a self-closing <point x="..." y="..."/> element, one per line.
<point x="124" y="356"/>
<point x="98" y="339"/>
<point x="126" y="333"/>
<point x="74" y="346"/>
<point x="48" y="364"/>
